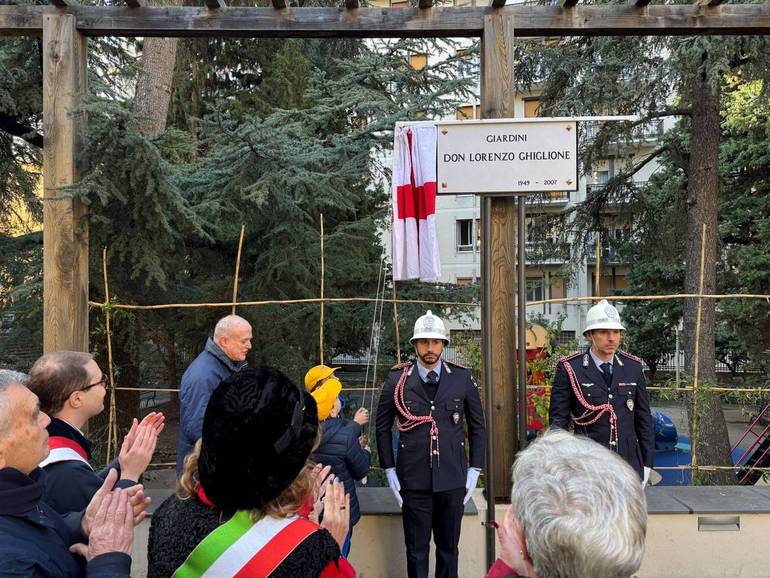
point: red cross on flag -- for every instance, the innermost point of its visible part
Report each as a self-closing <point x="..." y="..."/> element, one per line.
<point x="415" y="244"/>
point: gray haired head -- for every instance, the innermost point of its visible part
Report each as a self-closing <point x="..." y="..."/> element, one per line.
<point x="8" y="377"/>
<point x="582" y="508"/>
<point x="229" y="323"/>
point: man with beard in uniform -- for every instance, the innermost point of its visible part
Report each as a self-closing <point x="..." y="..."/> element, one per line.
<point x="431" y="401"/>
<point x="601" y="393"/>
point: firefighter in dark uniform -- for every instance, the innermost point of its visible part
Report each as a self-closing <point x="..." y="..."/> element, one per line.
<point x="431" y="401"/>
<point x="601" y="393"/>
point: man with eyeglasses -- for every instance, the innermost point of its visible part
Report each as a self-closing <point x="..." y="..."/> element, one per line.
<point x="71" y="388"/>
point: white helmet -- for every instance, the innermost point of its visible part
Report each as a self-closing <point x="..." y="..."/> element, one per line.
<point x="603" y="316"/>
<point x="429" y="327"/>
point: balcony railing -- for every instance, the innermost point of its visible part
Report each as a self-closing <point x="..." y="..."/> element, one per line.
<point x="548" y="198"/>
<point x="651" y="130"/>
<point x="593" y="187"/>
<point x="609" y="254"/>
<point x="546" y="252"/>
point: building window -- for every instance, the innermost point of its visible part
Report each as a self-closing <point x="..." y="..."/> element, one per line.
<point x="418" y="61"/>
<point x="531" y="107"/>
<point x="464" y="235"/>
<point x="565" y="337"/>
<point x="601" y="177"/>
<point x="468" y="112"/>
<point x="534" y="289"/>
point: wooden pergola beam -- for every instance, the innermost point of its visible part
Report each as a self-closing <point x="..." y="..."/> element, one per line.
<point x="466" y="21"/>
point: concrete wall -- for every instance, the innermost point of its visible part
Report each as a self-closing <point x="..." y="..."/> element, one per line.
<point x="680" y="542"/>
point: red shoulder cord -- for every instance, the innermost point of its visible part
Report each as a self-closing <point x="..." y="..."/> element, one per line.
<point x="593" y="413"/>
<point x="406" y="421"/>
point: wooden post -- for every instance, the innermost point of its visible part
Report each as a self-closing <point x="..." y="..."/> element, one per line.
<point x="65" y="226"/>
<point x="497" y="98"/>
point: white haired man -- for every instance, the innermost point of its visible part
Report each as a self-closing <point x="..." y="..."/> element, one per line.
<point x="577" y="509"/>
<point x="224" y="354"/>
<point x="35" y="541"/>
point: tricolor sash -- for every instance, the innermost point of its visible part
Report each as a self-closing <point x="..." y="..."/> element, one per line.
<point x="62" y="449"/>
<point x="242" y="549"/>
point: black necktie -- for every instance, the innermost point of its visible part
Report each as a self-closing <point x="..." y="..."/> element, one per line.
<point x="432" y="377"/>
<point x="607" y="373"/>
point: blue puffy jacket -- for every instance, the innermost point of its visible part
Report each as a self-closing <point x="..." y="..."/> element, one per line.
<point x="340" y="449"/>
<point x="199" y="381"/>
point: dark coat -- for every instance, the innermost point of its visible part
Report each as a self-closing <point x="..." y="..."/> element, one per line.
<point x="627" y="394"/>
<point x="457" y="402"/>
<point x="35" y="540"/>
<point x="178" y="526"/>
<point x="70" y="485"/>
<point x="199" y="381"/>
<point x="339" y="448"/>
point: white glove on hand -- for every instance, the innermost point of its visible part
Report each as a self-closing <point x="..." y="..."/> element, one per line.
<point x="394" y="484"/>
<point x="646" y="475"/>
<point x="470" y="483"/>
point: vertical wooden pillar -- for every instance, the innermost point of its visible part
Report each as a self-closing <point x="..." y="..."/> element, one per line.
<point x="497" y="100"/>
<point x="65" y="228"/>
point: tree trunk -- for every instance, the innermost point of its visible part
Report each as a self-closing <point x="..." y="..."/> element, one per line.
<point x="153" y="87"/>
<point x="708" y="430"/>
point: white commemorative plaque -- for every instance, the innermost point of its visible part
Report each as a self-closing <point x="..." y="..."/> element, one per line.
<point x="507" y="156"/>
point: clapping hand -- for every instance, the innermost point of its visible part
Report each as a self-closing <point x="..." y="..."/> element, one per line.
<point x="336" y="512"/>
<point x="513" y="549"/>
<point x="111" y="526"/>
<point x="321" y="480"/>
<point x="137" y="501"/>
<point x="139" y="446"/>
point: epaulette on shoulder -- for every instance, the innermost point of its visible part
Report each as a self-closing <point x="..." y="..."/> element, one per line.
<point x="567" y="358"/>
<point x="450" y="362"/>
<point x="629" y="356"/>
<point x="401" y="365"/>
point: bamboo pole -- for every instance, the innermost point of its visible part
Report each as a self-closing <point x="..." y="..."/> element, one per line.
<point x="237" y="270"/>
<point x="321" y="323"/>
<point x="395" y="324"/>
<point x="112" y="420"/>
<point x="696" y="355"/>
<point x="764" y="296"/>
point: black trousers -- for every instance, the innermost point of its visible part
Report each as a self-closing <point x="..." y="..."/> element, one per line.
<point x="441" y="513"/>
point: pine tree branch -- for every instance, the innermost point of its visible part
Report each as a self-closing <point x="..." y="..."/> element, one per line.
<point x="12" y="126"/>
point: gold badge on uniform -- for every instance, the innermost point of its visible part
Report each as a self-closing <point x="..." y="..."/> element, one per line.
<point x="630" y="404"/>
<point x="456" y="417"/>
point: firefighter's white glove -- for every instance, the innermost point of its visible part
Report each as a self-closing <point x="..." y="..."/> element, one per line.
<point x="646" y="476"/>
<point x="470" y="483"/>
<point x="394" y="484"/>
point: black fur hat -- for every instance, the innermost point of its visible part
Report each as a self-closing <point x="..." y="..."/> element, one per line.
<point x="258" y="431"/>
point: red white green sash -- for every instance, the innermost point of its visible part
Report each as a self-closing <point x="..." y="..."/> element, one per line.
<point x="242" y="549"/>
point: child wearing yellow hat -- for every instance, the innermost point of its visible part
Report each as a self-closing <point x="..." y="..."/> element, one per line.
<point x="342" y="446"/>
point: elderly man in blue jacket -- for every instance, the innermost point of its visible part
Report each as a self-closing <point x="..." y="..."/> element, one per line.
<point x="35" y="541"/>
<point x="223" y="355"/>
